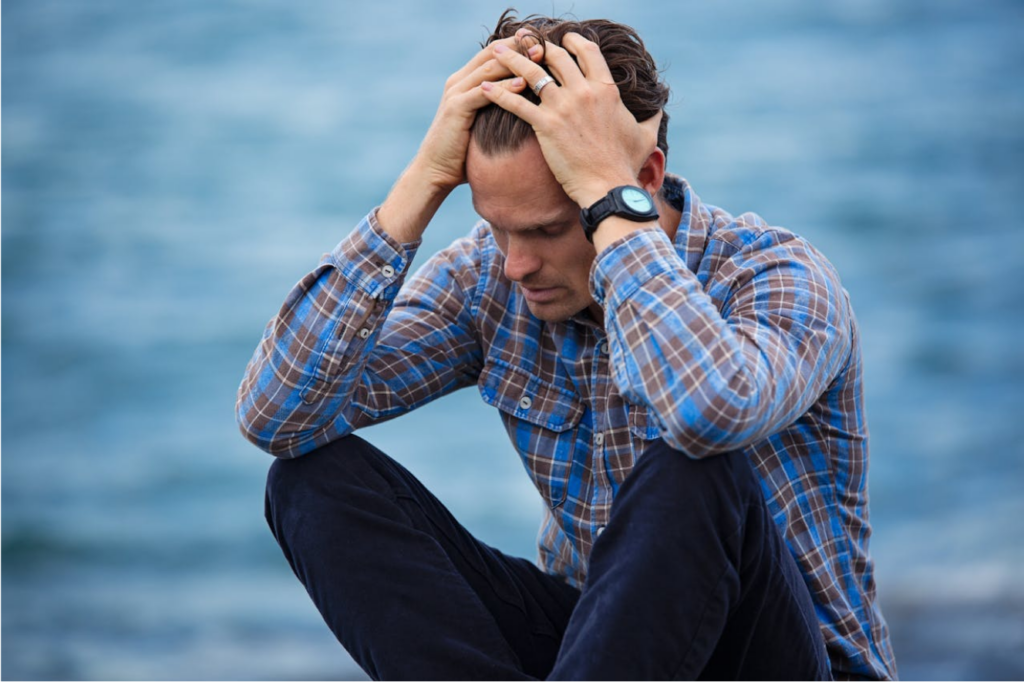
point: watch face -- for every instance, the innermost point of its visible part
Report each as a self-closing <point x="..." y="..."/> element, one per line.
<point x="637" y="200"/>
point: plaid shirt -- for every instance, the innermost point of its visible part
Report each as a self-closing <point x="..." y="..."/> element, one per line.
<point x="737" y="335"/>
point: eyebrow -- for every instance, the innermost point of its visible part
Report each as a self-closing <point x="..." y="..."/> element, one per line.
<point x="551" y="222"/>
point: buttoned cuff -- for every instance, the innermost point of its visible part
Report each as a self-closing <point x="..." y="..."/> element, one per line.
<point x="628" y="263"/>
<point x="372" y="260"/>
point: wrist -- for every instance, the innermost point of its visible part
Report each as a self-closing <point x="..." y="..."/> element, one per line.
<point x="593" y="192"/>
<point x="427" y="179"/>
<point x="629" y="202"/>
<point x="615" y="228"/>
<point x="410" y="205"/>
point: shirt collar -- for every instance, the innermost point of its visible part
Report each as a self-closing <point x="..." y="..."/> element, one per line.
<point x="694" y="223"/>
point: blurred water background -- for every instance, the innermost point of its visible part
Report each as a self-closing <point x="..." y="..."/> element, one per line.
<point x="170" y="169"/>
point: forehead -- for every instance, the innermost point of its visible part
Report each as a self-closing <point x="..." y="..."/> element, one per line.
<point x="516" y="191"/>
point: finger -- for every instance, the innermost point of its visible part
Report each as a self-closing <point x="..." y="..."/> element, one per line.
<point x="476" y="98"/>
<point x="511" y="102"/>
<point x="490" y="70"/>
<point x="562" y="65"/>
<point x="589" y="56"/>
<point x="521" y="66"/>
<point x="479" y="59"/>
<point x="526" y="39"/>
<point x="530" y="45"/>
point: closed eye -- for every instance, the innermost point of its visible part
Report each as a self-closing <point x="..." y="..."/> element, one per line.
<point x="554" y="229"/>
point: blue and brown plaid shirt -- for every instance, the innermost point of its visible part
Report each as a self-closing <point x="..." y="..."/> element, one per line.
<point x="736" y="335"/>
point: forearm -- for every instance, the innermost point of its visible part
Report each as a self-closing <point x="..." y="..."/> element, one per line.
<point x="411" y="204"/>
<point x="439" y="164"/>
<point x="298" y="387"/>
<point x="725" y="364"/>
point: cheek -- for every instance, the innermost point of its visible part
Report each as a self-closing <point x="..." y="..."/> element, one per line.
<point x="575" y="260"/>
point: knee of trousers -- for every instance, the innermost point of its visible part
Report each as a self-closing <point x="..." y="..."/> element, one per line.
<point x="348" y="462"/>
<point x="729" y="473"/>
<point x="669" y="484"/>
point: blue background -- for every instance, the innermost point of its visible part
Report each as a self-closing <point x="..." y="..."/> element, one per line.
<point x="170" y="169"/>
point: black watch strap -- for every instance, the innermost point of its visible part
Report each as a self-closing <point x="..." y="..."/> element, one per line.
<point x="628" y="201"/>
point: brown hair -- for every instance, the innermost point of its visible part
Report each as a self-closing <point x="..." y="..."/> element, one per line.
<point x="496" y="130"/>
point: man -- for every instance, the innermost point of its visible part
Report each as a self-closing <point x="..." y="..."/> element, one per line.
<point x="684" y="388"/>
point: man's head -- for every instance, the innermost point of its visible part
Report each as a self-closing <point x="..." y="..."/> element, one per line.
<point x="535" y="224"/>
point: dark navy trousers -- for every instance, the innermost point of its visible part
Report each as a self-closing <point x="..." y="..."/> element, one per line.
<point x="689" y="580"/>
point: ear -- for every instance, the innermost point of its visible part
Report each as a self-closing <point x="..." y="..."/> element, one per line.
<point x="652" y="173"/>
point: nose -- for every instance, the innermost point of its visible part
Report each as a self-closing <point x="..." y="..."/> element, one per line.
<point x="521" y="260"/>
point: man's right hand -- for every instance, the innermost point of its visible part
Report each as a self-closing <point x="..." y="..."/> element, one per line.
<point x="440" y="164"/>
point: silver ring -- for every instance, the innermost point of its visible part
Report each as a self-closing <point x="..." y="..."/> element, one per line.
<point x="541" y="83"/>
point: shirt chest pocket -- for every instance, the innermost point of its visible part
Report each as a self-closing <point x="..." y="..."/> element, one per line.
<point x="541" y="419"/>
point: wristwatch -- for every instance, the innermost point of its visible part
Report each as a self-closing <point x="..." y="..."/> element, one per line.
<point x="627" y="201"/>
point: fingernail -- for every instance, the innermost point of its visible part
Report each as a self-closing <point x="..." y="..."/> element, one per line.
<point x="487" y="86"/>
<point x="517" y="82"/>
<point x="499" y="48"/>
<point x="534" y="51"/>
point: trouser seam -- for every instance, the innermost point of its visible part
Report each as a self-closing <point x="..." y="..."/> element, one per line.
<point x="707" y="603"/>
<point x="700" y="624"/>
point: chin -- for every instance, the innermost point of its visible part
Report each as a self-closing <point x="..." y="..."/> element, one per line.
<point x="553" y="312"/>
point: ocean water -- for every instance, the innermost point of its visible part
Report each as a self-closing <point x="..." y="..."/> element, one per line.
<point x="170" y="169"/>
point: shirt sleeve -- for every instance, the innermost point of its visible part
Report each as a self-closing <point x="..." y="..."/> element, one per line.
<point x="347" y="349"/>
<point x="724" y="364"/>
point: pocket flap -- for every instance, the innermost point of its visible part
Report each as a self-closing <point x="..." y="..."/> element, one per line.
<point x="527" y="397"/>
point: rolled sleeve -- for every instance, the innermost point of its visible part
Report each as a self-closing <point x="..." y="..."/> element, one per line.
<point x="303" y="371"/>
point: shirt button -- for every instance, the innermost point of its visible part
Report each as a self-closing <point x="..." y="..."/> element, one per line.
<point x="387" y="271"/>
<point x="525" y="402"/>
<point x="600" y="529"/>
<point x="599" y="439"/>
<point x="364" y="333"/>
<point x="602" y="348"/>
